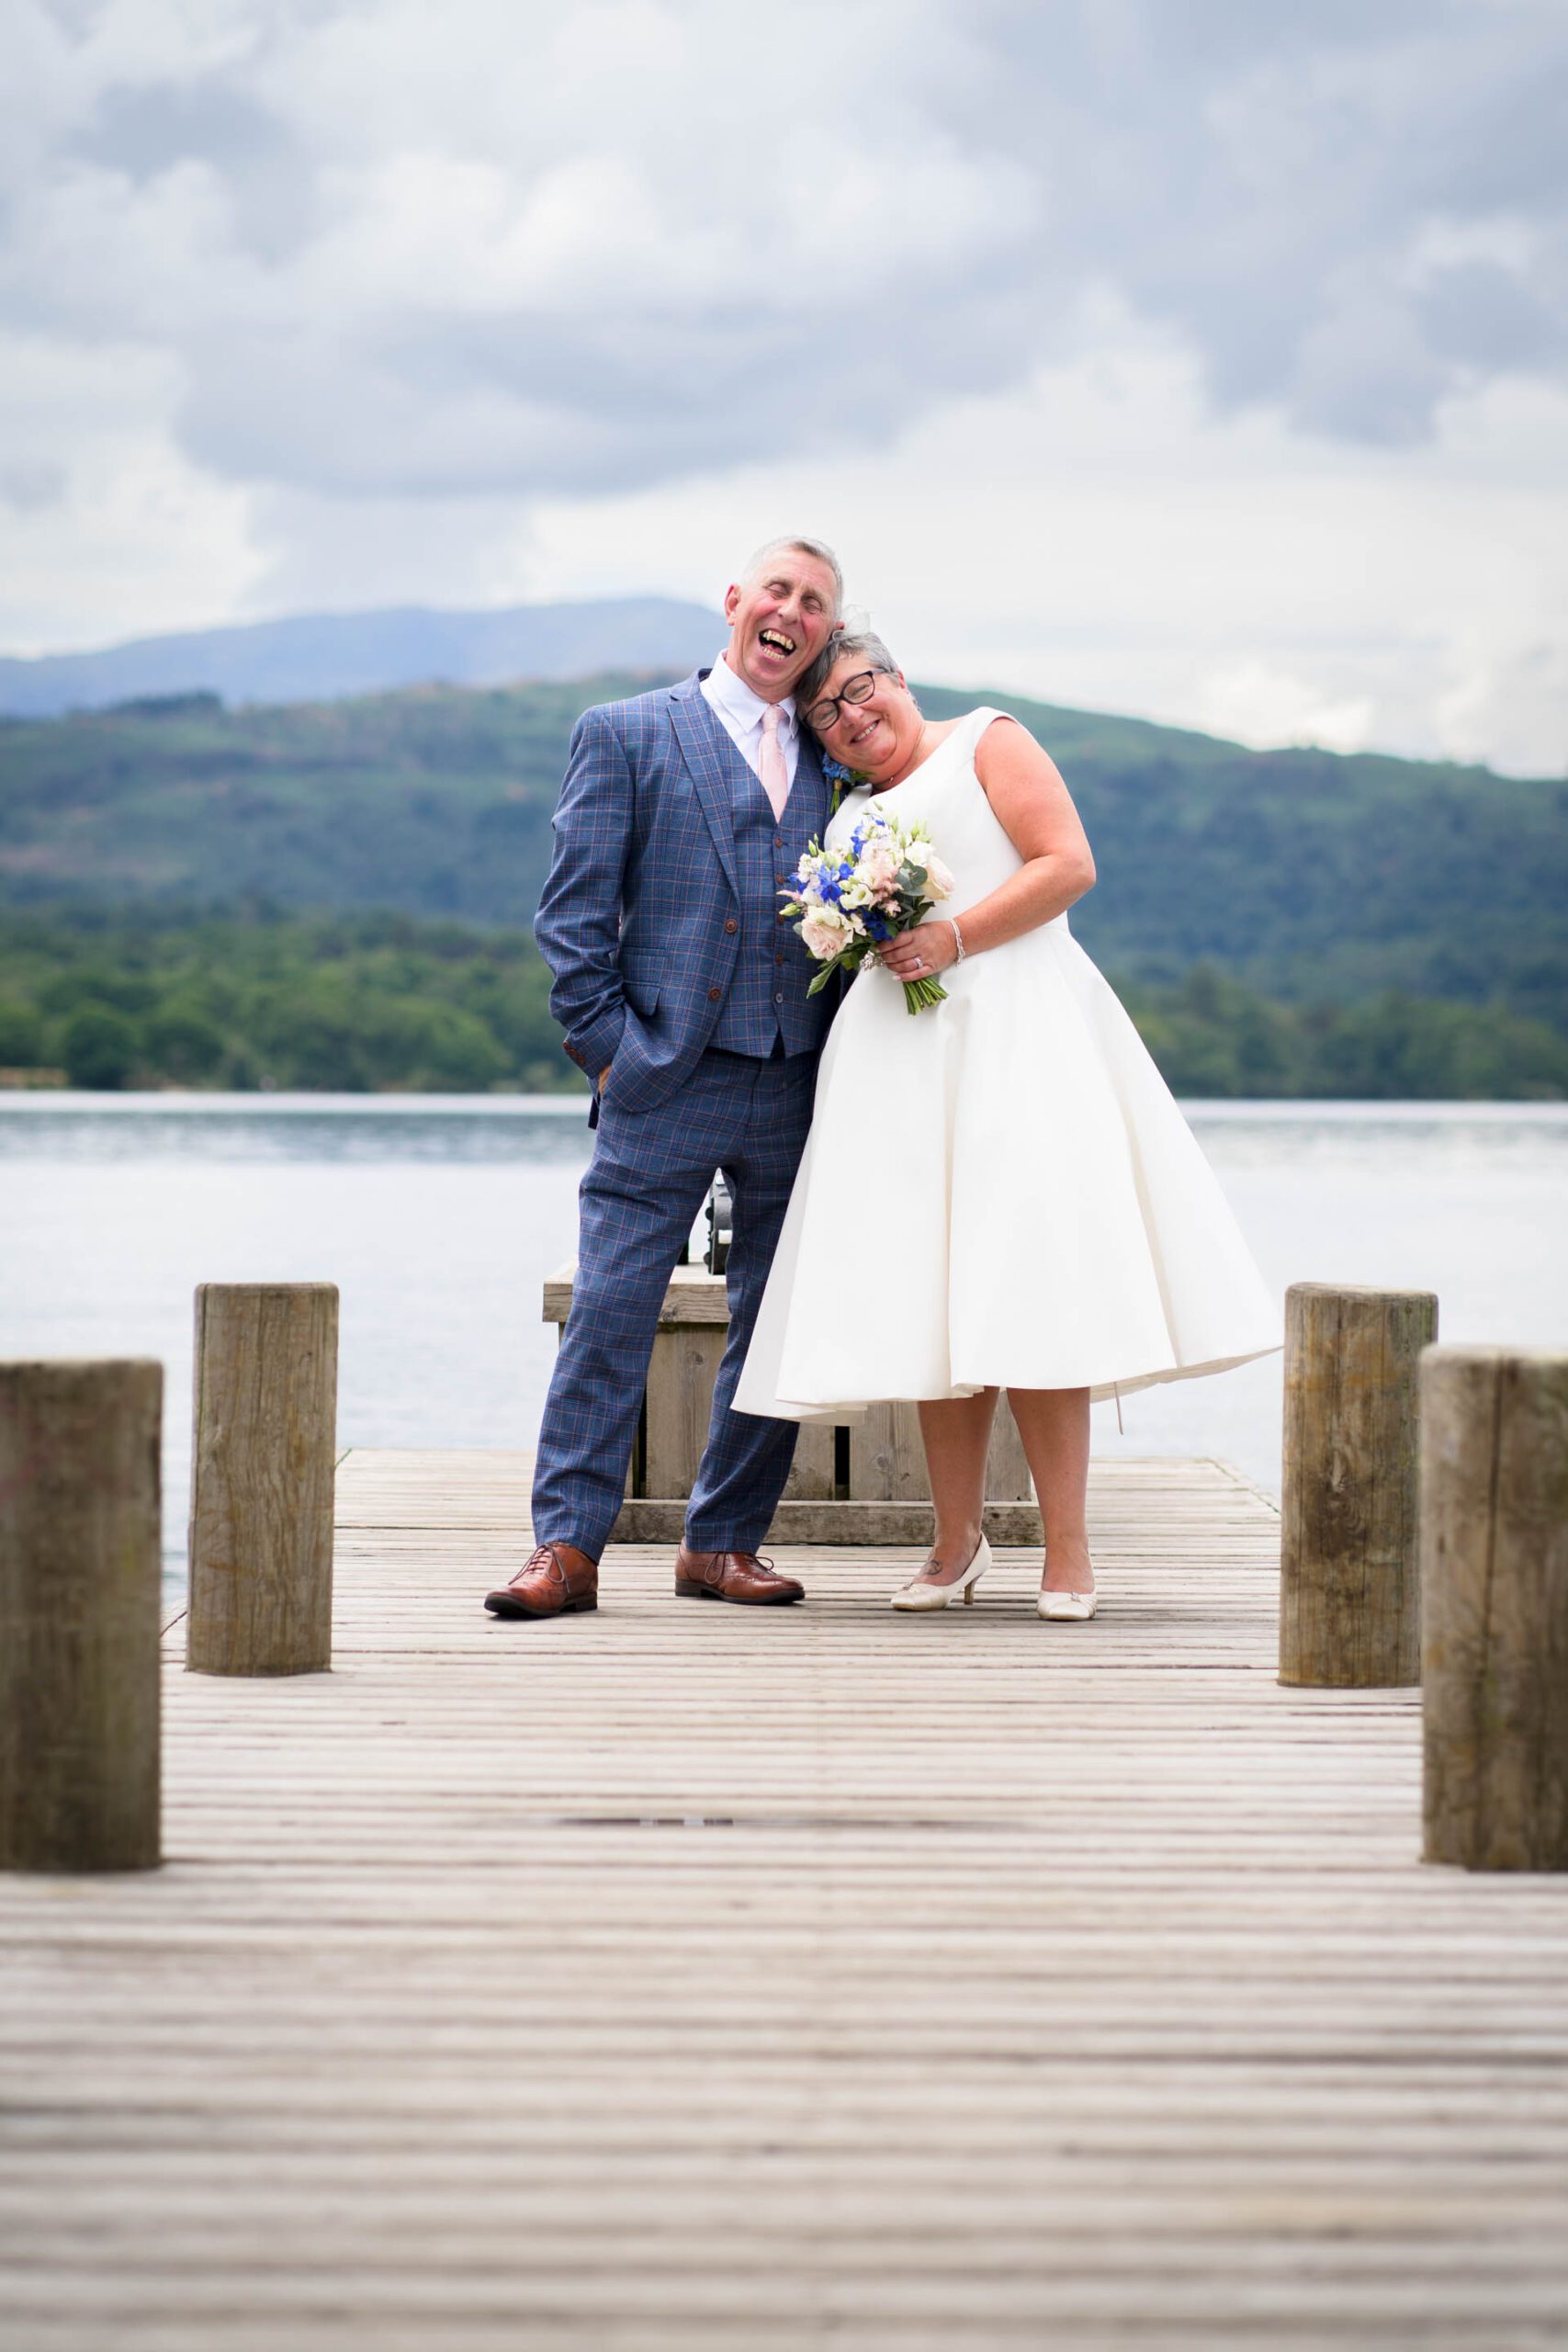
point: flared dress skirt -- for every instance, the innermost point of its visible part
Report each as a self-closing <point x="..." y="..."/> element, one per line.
<point x="999" y="1190"/>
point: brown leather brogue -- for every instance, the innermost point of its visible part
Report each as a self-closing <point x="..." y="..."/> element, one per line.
<point x="553" y="1582"/>
<point x="732" y="1575"/>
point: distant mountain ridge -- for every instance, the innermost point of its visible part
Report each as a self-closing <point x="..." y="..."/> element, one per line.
<point x="328" y="657"/>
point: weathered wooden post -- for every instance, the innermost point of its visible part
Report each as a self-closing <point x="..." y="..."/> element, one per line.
<point x="1349" y="1575"/>
<point x="262" y="1474"/>
<point x="79" y="1563"/>
<point x="1495" y="1572"/>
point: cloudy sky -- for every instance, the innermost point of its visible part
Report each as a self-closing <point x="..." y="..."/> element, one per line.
<point x="1192" y="357"/>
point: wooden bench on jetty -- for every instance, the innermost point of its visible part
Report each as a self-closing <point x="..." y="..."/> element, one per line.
<point x="672" y="1978"/>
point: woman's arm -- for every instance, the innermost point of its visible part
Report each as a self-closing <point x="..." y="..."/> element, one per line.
<point x="1035" y="811"/>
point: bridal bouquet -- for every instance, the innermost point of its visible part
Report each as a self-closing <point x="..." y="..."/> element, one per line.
<point x="849" y="901"/>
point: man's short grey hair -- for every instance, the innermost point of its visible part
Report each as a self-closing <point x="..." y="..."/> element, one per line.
<point x="817" y="547"/>
<point x="862" y="641"/>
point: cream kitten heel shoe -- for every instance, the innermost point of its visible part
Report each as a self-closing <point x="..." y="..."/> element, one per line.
<point x="1068" y="1608"/>
<point x="923" y="1594"/>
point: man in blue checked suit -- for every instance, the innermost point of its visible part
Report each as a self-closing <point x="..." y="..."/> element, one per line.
<point x="684" y="996"/>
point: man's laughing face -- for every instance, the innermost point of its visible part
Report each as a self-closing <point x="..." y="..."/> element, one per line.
<point x="779" y="621"/>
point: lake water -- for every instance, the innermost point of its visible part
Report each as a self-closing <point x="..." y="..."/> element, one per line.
<point x="439" y="1217"/>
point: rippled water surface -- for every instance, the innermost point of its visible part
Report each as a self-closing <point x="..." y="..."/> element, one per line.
<point x="439" y="1217"/>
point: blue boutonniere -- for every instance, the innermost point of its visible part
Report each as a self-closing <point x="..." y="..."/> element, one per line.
<point x="842" y="780"/>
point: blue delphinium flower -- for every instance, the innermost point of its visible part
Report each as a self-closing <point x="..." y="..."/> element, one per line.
<point x="841" y="778"/>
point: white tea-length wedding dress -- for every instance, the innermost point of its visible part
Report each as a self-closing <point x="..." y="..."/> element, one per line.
<point x="998" y="1191"/>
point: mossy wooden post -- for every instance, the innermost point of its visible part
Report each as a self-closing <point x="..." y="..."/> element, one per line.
<point x="1349" y="1574"/>
<point x="1495" y="1572"/>
<point x="262" y="1473"/>
<point x="79" y="1562"/>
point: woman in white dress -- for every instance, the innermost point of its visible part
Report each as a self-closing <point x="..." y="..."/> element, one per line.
<point x="999" y="1192"/>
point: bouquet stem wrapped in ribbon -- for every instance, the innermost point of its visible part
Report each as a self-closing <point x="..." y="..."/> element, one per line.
<point x="848" y="902"/>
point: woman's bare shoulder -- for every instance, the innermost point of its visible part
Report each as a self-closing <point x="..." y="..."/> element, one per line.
<point x="1008" y="754"/>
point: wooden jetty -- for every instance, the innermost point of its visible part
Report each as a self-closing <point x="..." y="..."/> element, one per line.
<point x="693" y="1976"/>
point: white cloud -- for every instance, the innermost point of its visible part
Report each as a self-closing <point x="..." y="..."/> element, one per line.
<point x="1207" y="359"/>
<point x="580" y="206"/>
<point x="1509" y="708"/>
<point x="1252" y="701"/>
<point x="123" y="535"/>
<point x="1099" y="540"/>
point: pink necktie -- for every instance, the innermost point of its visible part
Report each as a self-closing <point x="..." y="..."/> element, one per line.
<point x="772" y="770"/>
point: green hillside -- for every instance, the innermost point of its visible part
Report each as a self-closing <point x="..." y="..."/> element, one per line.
<point x="1310" y="878"/>
<point x="1313" y="874"/>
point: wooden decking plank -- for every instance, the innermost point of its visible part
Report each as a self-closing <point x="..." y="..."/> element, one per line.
<point x="721" y="1978"/>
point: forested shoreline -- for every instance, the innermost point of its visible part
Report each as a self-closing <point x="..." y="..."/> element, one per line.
<point x="257" y="997"/>
<point x="335" y="895"/>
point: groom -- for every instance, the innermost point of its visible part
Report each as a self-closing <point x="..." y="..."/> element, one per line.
<point x="682" y="995"/>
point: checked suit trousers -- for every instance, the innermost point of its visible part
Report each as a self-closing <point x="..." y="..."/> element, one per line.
<point x="645" y="1186"/>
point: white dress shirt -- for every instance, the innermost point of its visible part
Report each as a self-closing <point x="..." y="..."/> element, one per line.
<point x="740" y="713"/>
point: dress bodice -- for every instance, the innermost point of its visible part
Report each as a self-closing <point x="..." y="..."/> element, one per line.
<point x="946" y="795"/>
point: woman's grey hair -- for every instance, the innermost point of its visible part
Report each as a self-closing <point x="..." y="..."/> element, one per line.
<point x="817" y="548"/>
<point x="864" y="641"/>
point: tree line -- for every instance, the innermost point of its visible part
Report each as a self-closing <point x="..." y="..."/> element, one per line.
<point x="351" y="1002"/>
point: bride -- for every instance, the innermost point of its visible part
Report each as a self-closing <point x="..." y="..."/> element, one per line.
<point x="999" y="1192"/>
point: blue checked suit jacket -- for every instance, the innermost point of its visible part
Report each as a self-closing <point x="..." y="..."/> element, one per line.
<point x="640" y="920"/>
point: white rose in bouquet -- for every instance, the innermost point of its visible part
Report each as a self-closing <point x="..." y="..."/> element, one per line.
<point x="826" y="933"/>
<point x="938" y="877"/>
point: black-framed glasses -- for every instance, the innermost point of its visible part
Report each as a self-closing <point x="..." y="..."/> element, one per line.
<point x="822" y="715"/>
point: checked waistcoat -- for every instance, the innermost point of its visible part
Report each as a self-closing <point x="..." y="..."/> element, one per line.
<point x="766" y="998"/>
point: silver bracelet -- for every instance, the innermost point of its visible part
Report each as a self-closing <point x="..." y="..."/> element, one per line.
<point x="958" y="936"/>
